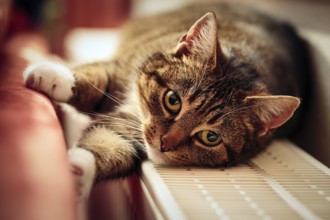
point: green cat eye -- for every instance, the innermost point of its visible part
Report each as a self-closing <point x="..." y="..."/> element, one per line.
<point x="209" y="138"/>
<point x="172" y="102"/>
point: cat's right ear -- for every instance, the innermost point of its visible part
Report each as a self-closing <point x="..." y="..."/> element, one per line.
<point x="201" y="41"/>
<point x="273" y="111"/>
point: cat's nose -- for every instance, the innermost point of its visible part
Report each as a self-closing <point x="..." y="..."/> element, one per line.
<point x="167" y="144"/>
<point x="172" y="139"/>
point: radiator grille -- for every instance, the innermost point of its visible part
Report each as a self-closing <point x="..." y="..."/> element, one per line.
<point x="281" y="183"/>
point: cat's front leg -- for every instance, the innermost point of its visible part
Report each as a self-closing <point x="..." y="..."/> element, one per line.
<point x="101" y="154"/>
<point x="55" y="80"/>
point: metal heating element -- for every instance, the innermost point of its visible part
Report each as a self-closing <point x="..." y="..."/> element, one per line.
<point x="283" y="182"/>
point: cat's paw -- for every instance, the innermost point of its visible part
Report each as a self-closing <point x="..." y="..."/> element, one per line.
<point x="53" y="79"/>
<point x="83" y="168"/>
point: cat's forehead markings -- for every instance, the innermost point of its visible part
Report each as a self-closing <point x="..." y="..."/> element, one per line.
<point x="154" y="75"/>
<point x="186" y="106"/>
<point x="163" y="70"/>
<point x="192" y="62"/>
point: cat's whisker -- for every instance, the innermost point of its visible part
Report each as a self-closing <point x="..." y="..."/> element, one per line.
<point x="106" y="118"/>
<point x="180" y="159"/>
<point x="133" y="67"/>
<point x="135" y="113"/>
<point x="111" y="121"/>
<point x="124" y="126"/>
<point x="116" y="100"/>
<point x="124" y="120"/>
<point x="92" y="113"/>
<point x="116" y="124"/>
<point x="101" y="116"/>
<point x="124" y="129"/>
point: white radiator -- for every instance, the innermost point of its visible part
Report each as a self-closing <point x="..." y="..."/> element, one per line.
<point x="281" y="183"/>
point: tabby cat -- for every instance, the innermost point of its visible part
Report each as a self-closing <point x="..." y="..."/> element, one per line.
<point x="205" y="85"/>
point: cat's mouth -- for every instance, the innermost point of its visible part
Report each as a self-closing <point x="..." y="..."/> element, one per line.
<point x="156" y="155"/>
<point x="154" y="150"/>
<point x="157" y="146"/>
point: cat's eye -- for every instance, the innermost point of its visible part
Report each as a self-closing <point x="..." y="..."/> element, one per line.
<point x="209" y="138"/>
<point x="172" y="102"/>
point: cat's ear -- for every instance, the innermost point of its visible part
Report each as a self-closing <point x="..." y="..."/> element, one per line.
<point x="273" y="111"/>
<point x="201" y="41"/>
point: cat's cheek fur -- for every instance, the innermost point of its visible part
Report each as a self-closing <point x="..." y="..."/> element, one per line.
<point x="83" y="168"/>
<point x="155" y="155"/>
<point x="54" y="79"/>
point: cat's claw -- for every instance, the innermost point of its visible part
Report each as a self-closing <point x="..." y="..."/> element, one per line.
<point x="83" y="168"/>
<point x="54" y="79"/>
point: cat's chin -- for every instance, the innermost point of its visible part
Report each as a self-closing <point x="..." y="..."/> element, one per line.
<point x="156" y="156"/>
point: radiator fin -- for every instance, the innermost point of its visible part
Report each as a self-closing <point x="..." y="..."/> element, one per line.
<point x="281" y="183"/>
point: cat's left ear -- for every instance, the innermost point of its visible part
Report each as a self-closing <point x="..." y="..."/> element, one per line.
<point x="201" y="41"/>
<point x="273" y="111"/>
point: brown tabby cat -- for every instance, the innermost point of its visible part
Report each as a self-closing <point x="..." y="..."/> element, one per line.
<point x="205" y="86"/>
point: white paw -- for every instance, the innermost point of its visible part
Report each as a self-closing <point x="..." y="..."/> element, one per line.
<point x="74" y="123"/>
<point x="83" y="168"/>
<point x="53" y="79"/>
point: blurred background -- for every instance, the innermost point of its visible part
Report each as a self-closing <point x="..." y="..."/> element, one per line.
<point x="87" y="30"/>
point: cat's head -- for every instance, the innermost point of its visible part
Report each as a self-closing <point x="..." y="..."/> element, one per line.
<point x="199" y="109"/>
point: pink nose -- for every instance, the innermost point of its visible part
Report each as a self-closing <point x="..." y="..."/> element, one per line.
<point x="171" y="140"/>
<point x="167" y="144"/>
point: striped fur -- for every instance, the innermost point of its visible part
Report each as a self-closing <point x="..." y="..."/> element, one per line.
<point x="236" y="71"/>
